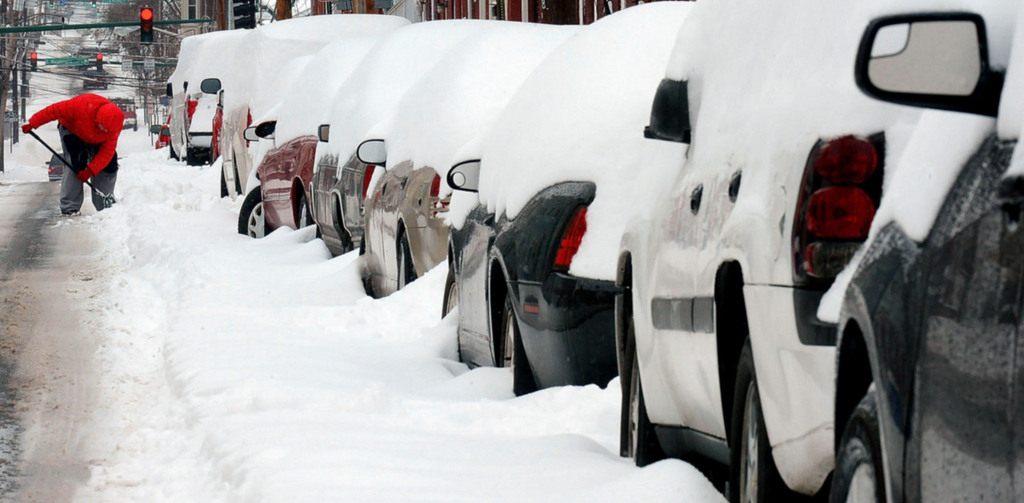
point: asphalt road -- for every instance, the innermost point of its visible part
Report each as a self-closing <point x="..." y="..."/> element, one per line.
<point x="47" y="375"/>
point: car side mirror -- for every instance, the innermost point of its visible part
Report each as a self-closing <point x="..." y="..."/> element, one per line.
<point x="372" y="152"/>
<point x="670" y="113"/>
<point x="934" y="60"/>
<point x="465" y="176"/>
<point x="210" y="86"/>
<point x="156" y="129"/>
<point x="165" y="131"/>
<point x="323" y="132"/>
<point x="263" y="131"/>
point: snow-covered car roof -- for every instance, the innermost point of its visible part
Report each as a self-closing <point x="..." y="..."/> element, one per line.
<point x="390" y="69"/>
<point x="579" y="117"/>
<point x="465" y="92"/>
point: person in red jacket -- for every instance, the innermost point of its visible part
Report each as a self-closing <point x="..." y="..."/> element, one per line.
<point x="89" y="125"/>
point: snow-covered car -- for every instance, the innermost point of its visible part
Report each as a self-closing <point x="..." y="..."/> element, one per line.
<point x="532" y="254"/>
<point x="927" y="387"/>
<point x="199" y="145"/>
<point x="462" y="95"/>
<point x="250" y="93"/>
<point x="284" y="174"/>
<point x="368" y="98"/>
<point x="778" y="169"/>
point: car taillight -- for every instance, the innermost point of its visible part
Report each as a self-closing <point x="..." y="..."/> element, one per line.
<point x="841" y="188"/>
<point x="192" y="104"/>
<point x="440" y="205"/>
<point x="367" y="176"/>
<point x="571" y="240"/>
<point x="840" y="212"/>
<point x="435" y="186"/>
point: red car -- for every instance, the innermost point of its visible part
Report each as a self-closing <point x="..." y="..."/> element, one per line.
<point x="285" y="173"/>
<point x="163" y="133"/>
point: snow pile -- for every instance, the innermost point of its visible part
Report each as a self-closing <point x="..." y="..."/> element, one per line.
<point x="258" y="370"/>
<point x="389" y="70"/>
<point x="463" y="94"/>
<point x="580" y="117"/>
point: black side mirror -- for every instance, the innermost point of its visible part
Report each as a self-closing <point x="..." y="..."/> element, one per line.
<point x="210" y="86"/>
<point x="372" y="152"/>
<point x="933" y="60"/>
<point x="670" y="113"/>
<point x="263" y="131"/>
<point x="155" y="128"/>
<point x="465" y="176"/>
<point x="323" y="132"/>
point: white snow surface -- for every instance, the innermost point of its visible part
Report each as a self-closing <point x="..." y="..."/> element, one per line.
<point x="594" y="132"/>
<point x="464" y="93"/>
<point x="249" y="370"/>
<point x="371" y="95"/>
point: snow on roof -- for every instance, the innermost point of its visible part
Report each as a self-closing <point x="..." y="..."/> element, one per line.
<point x="580" y="116"/>
<point x="466" y="91"/>
<point x="390" y="69"/>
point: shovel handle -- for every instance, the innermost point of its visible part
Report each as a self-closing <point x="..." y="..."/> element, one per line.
<point x="65" y="161"/>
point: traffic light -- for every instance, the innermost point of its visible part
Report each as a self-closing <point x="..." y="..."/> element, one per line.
<point x="99" y="61"/>
<point x="146" y="25"/>
<point x="243" y="12"/>
<point x="34" y="58"/>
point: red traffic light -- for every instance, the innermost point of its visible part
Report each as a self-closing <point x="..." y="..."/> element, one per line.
<point x="99" y="57"/>
<point x="34" y="56"/>
<point x="146" y="25"/>
<point x="146" y="14"/>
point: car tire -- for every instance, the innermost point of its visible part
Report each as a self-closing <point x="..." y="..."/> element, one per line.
<point x="514" y="353"/>
<point x="859" y="465"/>
<point x="251" y="221"/>
<point x="753" y="477"/>
<point x="305" y="217"/>
<point x="406" y="270"/>
<point x="640" y="444"/>
<point x="451" y="293"/>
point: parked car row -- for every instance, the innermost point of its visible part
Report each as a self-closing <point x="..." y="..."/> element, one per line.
<point x="805" y="284"/>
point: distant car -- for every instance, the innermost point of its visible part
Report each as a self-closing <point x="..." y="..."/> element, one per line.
<point x="163" y="133"/>
<point x="928" y="386"/>
<point x="284" y="173"/>
<point x="55" y="168"/>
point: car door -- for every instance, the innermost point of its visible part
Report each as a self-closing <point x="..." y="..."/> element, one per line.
<point x="964" y="397"/>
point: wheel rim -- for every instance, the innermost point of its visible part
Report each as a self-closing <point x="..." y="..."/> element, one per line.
<point x="451" y="299"/>
<point x="509" y="345"/>
<point x="862" y="486"/>
<point x="257" y="226"/>
<point x="749" y="449"/>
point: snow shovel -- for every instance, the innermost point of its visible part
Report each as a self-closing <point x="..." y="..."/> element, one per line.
<point x="108" y="199"/>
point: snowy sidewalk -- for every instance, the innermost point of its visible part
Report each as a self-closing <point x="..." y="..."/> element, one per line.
<point x="258" y="371"/>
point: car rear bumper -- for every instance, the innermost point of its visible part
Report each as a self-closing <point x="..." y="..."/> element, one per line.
<point x="567" y="328"/>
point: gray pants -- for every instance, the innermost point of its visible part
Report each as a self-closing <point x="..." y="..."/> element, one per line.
<point x="71" y="191"/>
<point x="80" y="154"/>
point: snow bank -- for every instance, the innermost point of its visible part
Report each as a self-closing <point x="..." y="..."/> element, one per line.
<point x="463" y="94"/>
<point x="579" y="117"/>
<point x="258" y="370"/>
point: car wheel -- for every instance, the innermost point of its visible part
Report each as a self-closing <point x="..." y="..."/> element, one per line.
<point x="406" y="271"/>
<point x="514" y="353"/>
<point x="305" y="217"/>
<point x="251" y="220"/>
<point x="859" y="462"/>
<point x="451" y="292"/>
<point x="640" y="443"/>
<point x="753" y="477"/>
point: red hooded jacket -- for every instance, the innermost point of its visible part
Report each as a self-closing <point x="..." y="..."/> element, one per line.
<point x="90" y="117"/>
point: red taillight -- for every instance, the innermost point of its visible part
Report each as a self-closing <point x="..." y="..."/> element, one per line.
<point x="435" y="186"/>
<point x="367" y="176"/>
<point x="841" y="188"/>
<point x="846" y="160"/>
<point x="192" y="104"/>
<point x="840" y="212"/>
<point x="571" y="240"/>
